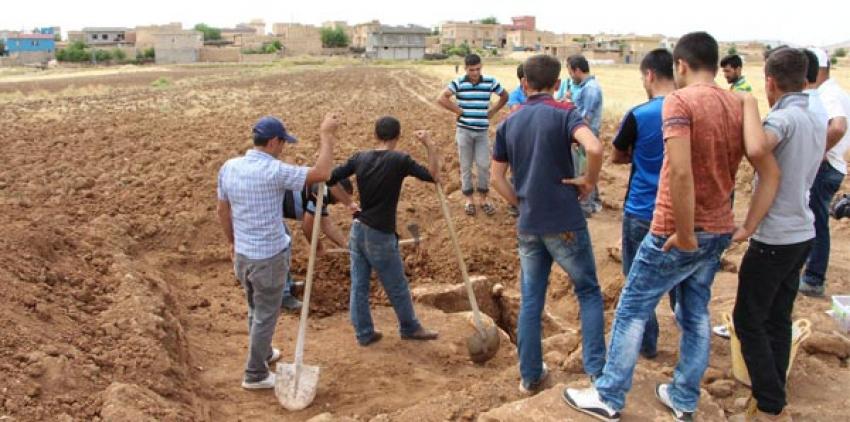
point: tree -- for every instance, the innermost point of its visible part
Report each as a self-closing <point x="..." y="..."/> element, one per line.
<point x="210" y="33"/>
<point x="119" y="54"/>
<point x="732" y="51"/>
<point x="840" y="52"/>
<point x="490" y="20"/>
<point x="334" y="38"/>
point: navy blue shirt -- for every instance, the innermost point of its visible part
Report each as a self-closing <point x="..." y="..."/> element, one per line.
<point x="641" y="133"/>
<point x="536" y="141"/>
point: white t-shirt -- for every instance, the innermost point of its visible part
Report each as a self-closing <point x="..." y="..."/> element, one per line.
<point x="837" y="104"/>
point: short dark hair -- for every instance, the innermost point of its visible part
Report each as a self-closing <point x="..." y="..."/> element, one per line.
<point x="260" y="140"/>
<point x="788" y="67"/>
<point x="698" y="50"/>
<point x="519" y="72"/>
<point x="813" y="68"/>
<point x="471" y="60"/>
<point x="541" y="71"/>
<point x="387" y="128"/>
<point x="577" y="61"/>
<point x="732" y="60"/>
<point x="660" y="62"/>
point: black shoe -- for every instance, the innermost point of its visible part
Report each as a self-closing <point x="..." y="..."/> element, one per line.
<point x="841" y="208"/>
<point x="421" y="334"/>
<point x="376" y="337"/>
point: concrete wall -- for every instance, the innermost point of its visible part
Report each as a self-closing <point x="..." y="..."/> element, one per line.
<point x="145" y="34"/>
<point x="401" y="53"/>
<point x="20" y="59"/>
<point x="219" y="55"/>
<point x="180" y="47"/>
<point x="298" y="39"/>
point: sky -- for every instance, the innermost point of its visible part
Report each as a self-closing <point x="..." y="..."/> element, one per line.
<point x="727" y="21"/>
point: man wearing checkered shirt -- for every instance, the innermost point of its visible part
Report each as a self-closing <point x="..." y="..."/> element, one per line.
<point x="250" y="198"/>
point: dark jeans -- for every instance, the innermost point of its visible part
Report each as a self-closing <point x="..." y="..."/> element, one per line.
<point x="826" y="184"/>
<point x="634" y="230"/>
<point x="767" y="287"/>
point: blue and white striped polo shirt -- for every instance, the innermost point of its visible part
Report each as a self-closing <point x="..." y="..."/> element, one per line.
<point x="474" y="100"/>
<point x="254" y="186"/>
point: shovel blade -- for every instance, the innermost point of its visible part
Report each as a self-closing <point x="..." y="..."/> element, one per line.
<point x="482" y="346"/>
<point x="294" y="397"/>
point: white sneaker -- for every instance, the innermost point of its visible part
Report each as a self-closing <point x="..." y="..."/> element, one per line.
<point x="274" y="357"/>
<point x="586" y="400"/>
<point x="265" y="384"/>
<point x="661" y="392"/>
<point x="721" y="331"/>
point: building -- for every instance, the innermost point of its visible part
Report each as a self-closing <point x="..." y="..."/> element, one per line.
<point x="259" y="26"/>
<point x="178" y="47"/>
<point x="360" y="33"/>
<point x="528" y="23"/>
<point x="30" y="43"/>
<point x="397" y="42"/>
<point x="525" y="40"/>
<point x="104" y="36"/>
<point x="29" y="48"/>
<point x="145" y="34"/>
<point x="236" y="36"/>
<point x="480" y="35"/>
<point x="298" y="39"/>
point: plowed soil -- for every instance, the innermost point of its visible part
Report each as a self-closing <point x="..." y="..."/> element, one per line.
<point x="119" y="300"/>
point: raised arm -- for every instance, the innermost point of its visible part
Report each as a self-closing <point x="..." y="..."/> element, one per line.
<point x="321" y="171"/>
<point x="433" y="157"/>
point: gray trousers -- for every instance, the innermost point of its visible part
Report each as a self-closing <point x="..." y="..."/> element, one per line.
<point x="263" y="281"/>
<point x="473" y="146"/>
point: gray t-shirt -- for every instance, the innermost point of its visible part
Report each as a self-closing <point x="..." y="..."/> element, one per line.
<point x="801" y="131"/>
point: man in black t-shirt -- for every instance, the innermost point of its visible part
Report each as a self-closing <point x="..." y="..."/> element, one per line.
<point x="373" y="241"/>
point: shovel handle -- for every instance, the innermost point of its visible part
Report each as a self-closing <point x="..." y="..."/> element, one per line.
<point x="476" y="314"/>
<point x="308" y="286"/>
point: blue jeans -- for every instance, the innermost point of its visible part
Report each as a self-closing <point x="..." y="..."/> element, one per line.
<point x="654" y="273"/>
<point x="634" y="230"/>
<point x="574" y="253"/>
<point x="827" y="182"/>
<point x="375" y="250"/>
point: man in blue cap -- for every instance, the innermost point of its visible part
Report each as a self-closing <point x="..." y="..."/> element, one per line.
<point x="250" y="205"/>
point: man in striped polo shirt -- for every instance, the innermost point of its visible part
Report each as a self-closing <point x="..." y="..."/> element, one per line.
<point x="473" y="112"/>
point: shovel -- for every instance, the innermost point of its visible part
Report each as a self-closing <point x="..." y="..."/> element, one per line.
<point x="484" y="343"/>
<point x="295" y="383"/>
<point x="413" y="228"/>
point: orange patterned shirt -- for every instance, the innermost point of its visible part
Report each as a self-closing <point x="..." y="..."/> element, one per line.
<point x="712" y="119"/>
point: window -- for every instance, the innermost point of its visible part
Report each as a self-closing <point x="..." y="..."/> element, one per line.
<point x="94" y="36"/>
<point x="104" y="36"/>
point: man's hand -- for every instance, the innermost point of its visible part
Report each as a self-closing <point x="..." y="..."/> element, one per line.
<point x="583" y="184"/>
<point x="331" y="122"/>
<point x="491" y="113"/>
<point x="686" y="243"/>
<point x="232" y="252"/>
<point x="742" y="234"/>
<point x="354" y="208"/>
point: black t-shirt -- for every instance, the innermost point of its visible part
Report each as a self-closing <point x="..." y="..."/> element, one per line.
<point x="380" y="174"/>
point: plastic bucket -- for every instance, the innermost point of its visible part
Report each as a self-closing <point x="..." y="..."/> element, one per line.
<point x="801" y="329"/>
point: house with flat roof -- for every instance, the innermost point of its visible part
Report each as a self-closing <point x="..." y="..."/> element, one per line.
<point x="397" y="42"/>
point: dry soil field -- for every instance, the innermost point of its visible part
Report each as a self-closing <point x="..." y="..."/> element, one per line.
<point x="119" y="302"/>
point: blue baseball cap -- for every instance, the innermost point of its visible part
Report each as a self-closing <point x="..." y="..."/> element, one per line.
<point x="271" y="127"/>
